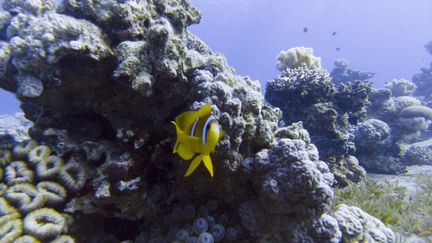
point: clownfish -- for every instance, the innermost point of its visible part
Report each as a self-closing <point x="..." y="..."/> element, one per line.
<point x="198" y="132"/>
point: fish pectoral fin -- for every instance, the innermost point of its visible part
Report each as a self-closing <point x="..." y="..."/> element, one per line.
<point x="176" y="145"/>
<point x="193" y="165"/>
<point x="185" y="151"/>
<point x="208" y="163"/>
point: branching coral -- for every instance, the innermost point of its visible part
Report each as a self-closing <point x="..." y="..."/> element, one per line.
<point x="297" y="56"/>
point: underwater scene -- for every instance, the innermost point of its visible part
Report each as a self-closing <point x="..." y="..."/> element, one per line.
<point x="126" y="121"/>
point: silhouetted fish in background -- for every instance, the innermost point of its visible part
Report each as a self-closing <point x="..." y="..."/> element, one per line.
<point x="334" y="33"/>
<point x="305" y="29"/>
<point x="337" y="49"/>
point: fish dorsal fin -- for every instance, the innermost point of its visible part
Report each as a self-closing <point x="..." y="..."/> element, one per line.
<point x="186" y="119"/>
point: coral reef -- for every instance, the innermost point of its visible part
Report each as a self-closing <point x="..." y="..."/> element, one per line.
<point x="393" y="124"/>
<point x="419" y="153"/>
<point x="342" y="74"/>
<point x="358" y="226"/>
<point x="101" y="82"/>
<point x="307" y="94"/>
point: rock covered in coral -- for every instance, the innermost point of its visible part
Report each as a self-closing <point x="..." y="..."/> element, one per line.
<point x="324" y="229"/>
<point x="289" y="180"/>
<point x="298" y="88"/>
<point x="342" y="74"/>
<point x="372" y="133"/>
<point x="394" y="123"/>
<point x="352" y="97"/>
<point x="14" y="125"/>
<point x="307" y="94"/>
<point x="283" y="174"/>
<point x="419" y="153"/>
<point x="358" y="226"/>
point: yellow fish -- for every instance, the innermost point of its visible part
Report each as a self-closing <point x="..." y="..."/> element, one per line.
<point x="198" y="132"/>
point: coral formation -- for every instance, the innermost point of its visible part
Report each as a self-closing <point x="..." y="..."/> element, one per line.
<point x="297" y="56"/>
<point x="307" y="94"/>
<point x="401" y="87"/>
<point x="358" y="226"/>
<point x="14" y="127"/>
<point x="101" y="82"/>
<point x="27" y="193"/>
<point x="398" y="121"/>
<point x="342" y="74"/>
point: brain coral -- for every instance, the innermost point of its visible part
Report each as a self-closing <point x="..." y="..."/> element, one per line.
<point x="33" y="194"/>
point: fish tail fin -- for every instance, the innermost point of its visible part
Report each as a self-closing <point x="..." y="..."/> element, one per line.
<point x="177" y="143"/>
<point x="208" y="163"/>
<point x="193" y="165"/>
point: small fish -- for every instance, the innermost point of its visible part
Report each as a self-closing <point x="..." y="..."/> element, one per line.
<point x="334" y="33"/>
<point x="198" y="132"/>
<point x="305" y="29"/>
<point x="337" y="49"/>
